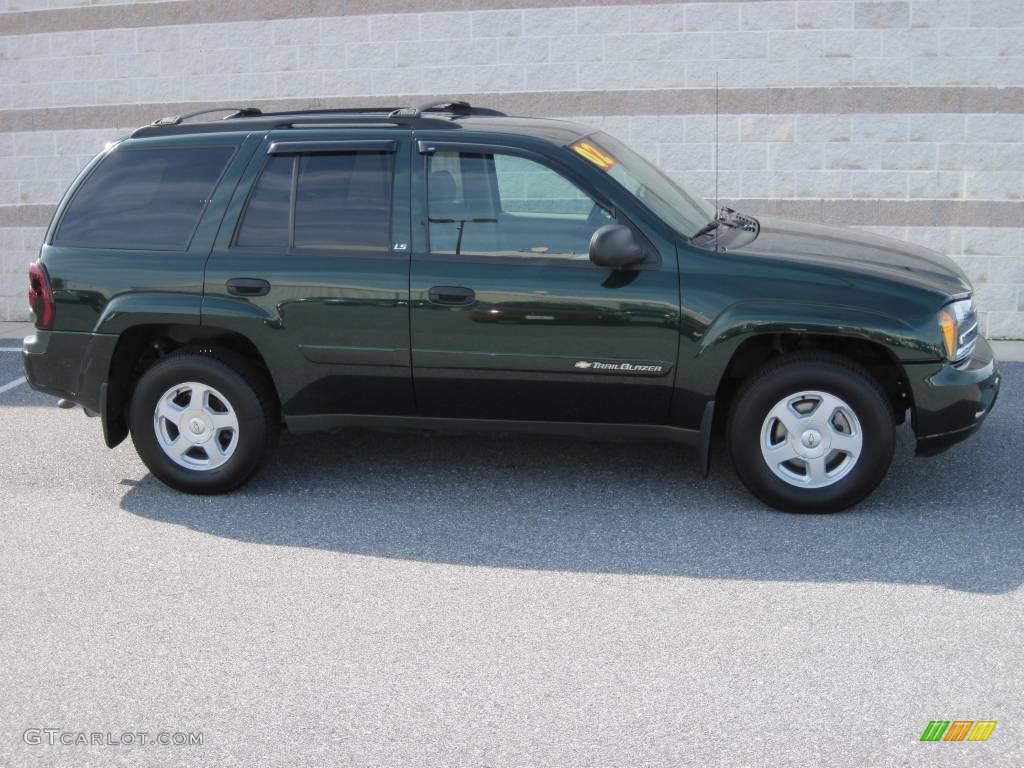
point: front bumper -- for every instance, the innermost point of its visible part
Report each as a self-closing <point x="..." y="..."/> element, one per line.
<point x="952" y="401"/>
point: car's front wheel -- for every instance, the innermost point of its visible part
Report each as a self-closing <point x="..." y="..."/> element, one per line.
<point x="203" y="424"/>
<point x="811" y="432"/>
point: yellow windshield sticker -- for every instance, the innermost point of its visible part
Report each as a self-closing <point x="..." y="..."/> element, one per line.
<point x="601" y="159"/>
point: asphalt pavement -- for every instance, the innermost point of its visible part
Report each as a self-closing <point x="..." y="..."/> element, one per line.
<point x="407" y="600"/>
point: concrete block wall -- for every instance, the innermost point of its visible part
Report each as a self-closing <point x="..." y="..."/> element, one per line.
<point x="902" y="116"/>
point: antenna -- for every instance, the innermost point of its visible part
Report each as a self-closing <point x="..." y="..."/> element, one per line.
<point x="717" y="207"/>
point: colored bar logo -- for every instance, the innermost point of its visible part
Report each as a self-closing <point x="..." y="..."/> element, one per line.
<point x="958" y="730"/>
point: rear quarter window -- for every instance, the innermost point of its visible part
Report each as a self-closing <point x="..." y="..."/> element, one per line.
<point x="143" y="199"/>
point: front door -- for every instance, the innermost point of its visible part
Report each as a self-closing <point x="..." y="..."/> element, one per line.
<point x="510" y="319"/>
<point x="311" y="265"/>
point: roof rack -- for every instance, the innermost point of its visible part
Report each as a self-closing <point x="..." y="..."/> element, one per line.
<point x="235" y="112"/>
<point x="435" y="112"/>
<point x="457" y="106"/>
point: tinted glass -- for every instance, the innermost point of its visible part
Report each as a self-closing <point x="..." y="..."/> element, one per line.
<point x="529" y="187"/>
<point x="147" y="199"/>
<point x="506" y="205"/>
<point x="265" y="222"/>
<point x="344" y="201"/>
<point x="679" y="208"/>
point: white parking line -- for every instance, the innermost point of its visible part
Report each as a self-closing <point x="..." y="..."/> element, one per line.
<point x="10" y="349"/>
<point x="12" y="385"/>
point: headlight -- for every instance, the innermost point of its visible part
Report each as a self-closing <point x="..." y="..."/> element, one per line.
<point x="958" y="323"/>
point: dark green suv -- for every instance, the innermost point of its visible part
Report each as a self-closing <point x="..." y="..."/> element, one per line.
<point x="204" y="283"/>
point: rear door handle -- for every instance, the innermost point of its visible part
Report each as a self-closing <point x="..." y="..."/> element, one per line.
<point x="248" y="286"/>
<point x="452" y="294"/>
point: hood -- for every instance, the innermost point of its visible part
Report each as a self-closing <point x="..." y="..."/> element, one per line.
<point x="857" y="251"/>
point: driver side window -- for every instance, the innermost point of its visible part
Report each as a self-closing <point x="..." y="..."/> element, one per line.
<point x="505" y="205"/>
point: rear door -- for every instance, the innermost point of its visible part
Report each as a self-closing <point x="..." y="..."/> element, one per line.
<point x="311" y="264"/>
<point x="510" y="319"/>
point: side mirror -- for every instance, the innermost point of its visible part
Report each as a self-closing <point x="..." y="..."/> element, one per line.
<point x="615" y="246"/>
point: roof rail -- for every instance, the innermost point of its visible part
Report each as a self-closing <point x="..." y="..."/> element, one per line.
<point x="235" y="112"/>
<point x="440" y="112"/>
<point x="457" y="106"/>
<point x="454" y="106"/>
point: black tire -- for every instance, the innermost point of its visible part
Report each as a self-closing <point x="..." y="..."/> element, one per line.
<point x="251" y="396"/>
<point x="826" y="373"/>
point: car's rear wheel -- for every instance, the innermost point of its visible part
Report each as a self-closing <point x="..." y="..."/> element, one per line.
<point x="811" y="432"/>
<point x="203" y="424"/>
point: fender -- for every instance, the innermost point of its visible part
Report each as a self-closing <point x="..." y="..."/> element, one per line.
<point x="126" y="310"/>
<point x="705" y="357"/>
<point x="123" y="313"/>
<point x="743" y="319"/>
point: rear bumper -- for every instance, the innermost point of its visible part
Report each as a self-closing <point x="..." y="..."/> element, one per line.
<point x="951" y="402"/>
<point x="68" y="365"/>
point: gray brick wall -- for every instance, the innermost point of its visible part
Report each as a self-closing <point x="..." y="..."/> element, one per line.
<point x="902" y="108"/>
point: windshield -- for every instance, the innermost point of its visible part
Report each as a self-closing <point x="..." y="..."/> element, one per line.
<point x="683" y="211"/>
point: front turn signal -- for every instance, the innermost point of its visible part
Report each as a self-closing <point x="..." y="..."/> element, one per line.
<point x="958" y="325"/>
<point x="947" y="324"/>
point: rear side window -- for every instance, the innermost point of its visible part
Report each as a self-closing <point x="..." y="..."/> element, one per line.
<point x="339" y="202"/>
<point x="144" y="199"/>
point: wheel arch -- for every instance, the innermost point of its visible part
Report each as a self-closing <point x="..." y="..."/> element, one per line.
<point x="139" y="346"/>
<point x="757" y="349"/>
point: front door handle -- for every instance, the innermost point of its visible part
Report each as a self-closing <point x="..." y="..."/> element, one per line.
<point x="452" y="294"/>
<point x="248" y="286"/>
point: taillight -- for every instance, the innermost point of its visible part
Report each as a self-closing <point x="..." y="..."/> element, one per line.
<point x="40" y="298"/>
